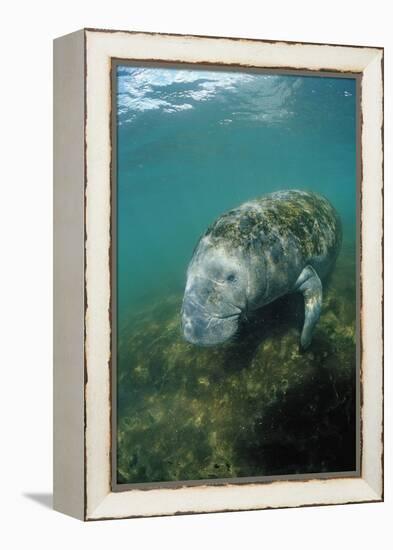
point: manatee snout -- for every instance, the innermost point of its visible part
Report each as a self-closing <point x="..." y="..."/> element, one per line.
<point x="204" y="326"/>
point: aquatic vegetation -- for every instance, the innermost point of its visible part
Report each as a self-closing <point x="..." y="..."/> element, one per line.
<point x="257" y="406"/>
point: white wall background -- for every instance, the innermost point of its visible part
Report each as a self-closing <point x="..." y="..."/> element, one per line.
<point x="27" y="29"/>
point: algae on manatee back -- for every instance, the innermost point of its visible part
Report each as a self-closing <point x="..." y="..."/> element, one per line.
<point x="255" y="407"/>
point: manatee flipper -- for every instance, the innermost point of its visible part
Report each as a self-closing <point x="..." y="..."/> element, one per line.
<point x="311" y="287"/>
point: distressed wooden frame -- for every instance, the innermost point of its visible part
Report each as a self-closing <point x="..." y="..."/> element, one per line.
<point x="82" y="295"/>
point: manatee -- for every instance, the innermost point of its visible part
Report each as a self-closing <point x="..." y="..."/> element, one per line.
<point x="281" y="243"/>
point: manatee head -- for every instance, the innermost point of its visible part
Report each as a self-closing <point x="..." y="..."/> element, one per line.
<point x="216" y="293"/>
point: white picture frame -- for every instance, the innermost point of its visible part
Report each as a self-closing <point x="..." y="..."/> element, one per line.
<point x="82" y="333"/>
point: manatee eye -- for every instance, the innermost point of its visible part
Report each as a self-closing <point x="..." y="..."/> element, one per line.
<point x="231" y="278"/>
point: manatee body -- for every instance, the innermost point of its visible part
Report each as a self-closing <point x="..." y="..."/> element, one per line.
<point x="283" y="242"/>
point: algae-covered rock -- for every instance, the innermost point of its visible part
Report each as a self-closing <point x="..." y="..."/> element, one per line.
<point x="258" y="406"/>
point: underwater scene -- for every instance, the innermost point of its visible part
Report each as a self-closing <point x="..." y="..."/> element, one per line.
<point x="235" y="279"/>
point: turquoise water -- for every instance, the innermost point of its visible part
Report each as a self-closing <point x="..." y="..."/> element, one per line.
<point x="192" y="144"/>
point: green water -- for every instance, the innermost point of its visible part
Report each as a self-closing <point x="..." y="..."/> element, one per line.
<point x="191" y="145"/>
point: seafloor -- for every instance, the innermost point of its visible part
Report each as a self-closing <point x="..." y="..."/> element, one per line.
<point x="255" y="407"/>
